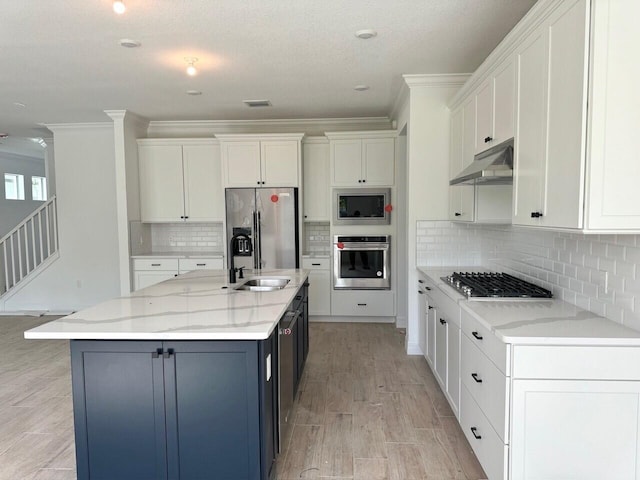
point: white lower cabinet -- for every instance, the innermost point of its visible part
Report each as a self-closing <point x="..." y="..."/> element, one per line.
<point x="422" y="318"/>
<point x="319" y="285"/>
<point x="149" y="271"/>
<point x="370" y="303"/>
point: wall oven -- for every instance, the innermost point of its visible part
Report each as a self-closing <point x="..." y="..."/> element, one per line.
<point x="361" y="262"/>
<point x="361" y="206"/>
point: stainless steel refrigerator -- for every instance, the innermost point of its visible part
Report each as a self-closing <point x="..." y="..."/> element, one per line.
<point x="269" y="218"/>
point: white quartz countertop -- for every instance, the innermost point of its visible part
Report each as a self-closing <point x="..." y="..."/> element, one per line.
<point x="179" y="255"/>
<point x="536" y="322"/>
<point x="199" y="305"/>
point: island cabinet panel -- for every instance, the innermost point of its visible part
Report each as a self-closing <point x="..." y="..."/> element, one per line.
<point x="175" y="409"/>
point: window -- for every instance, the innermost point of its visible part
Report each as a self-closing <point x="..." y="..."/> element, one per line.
<point x="13" y="186"/>
<point x="38" y="188"/>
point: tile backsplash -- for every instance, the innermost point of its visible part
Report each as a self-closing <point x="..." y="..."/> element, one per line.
<point x="445" y="244"/>
<point x="600" y="273"/>
<point x="317" y="238"/>
<point x="183" y="237"/>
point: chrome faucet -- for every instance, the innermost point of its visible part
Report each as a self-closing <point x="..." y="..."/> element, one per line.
<point x="232" y="269"/>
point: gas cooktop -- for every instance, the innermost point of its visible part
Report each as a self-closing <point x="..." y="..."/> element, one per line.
<point x="494" y="286"/>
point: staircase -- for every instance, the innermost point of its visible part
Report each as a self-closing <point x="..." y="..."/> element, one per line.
<point x="29" y="247"/>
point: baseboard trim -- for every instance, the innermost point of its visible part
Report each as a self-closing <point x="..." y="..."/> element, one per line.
<point x="414" y="349"/>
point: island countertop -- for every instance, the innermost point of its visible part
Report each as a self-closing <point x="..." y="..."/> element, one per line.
<point x="199" y="305"/>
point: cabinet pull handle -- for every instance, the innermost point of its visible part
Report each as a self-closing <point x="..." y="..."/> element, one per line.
<point x="475" y="377"/>
<point x="364" y="181"/>
<point x="430" y="307"/>
<point x="155" y="264"/>
<point x="487" y="139"/>
<point x="258" y="183"/>
<point x="428" y="288"/>
<point x="315" y="264"/>
<point x="362" y="304"/>
<point x="359" y="181"/>
<point x="473" y="431"/>
<point x="476" y="335"/>
<point x="536" y="214"/>
<point x="420" y="292"/>
<point x="168" y="353"/>
<point x="201" y="264"/>
<point x="157" y="353"/>
<point x="458" y="214"/>
<point x="443" y="321"/>
<point x="420" y="281"/>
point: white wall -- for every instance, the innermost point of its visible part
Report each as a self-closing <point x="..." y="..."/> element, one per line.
<point x="427" y="175"/>
<point x="87" y="271"/>
<point x="12" y="212"/>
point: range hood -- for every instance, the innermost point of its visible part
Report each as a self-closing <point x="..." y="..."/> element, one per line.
<point x="491" y="167"/>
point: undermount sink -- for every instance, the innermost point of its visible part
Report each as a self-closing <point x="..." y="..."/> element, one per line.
<point x="264" y="284"/>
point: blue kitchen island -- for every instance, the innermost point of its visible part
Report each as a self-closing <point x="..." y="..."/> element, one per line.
<point x="181" y="380"/>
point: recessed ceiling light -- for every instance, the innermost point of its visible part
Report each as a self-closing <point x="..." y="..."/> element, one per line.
<point x="361" y="88"/>
<point x="257" y="103"/>
<point x="194" y="92"/>
<point x="366" y="34"/>
<point x="191" y="69"/>
<point x="119" y="7"/>
<point x="20" y="104"/>
<point x="128" y="43"/>
<point x="4" y="135"/>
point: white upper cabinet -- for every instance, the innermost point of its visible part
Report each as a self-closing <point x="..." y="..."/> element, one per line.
<point x="261" y="160"/>
<point x="495" y="106"/>
<point x="180" y="180"/>
<point x="575" y="167"/>
<point x="461" y="201"/>
<point x="362" y="159"/>
<point x="315" y="162"/>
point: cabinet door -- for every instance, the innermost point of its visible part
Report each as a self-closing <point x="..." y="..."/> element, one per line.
<point x="453" y="366"/>
<point x="431" y="333"/>
<point x="378" y="161"/>
<point x="203" y="198"/>
<point x="455" y="162"/>
<point x="441" y="349"/>
<point x="530" y="158"/>
<point x="212" y="405"/>
<point x="566" y="118"/>
<point x="599" y="435"/>
<point x="422" y="320"/>
<point x="346" y="162"/>
<point x="143" y="279"/>
<point x="504" y="84"/>
<point x="319" y="292"/>
<point x="110" y="379"/>
<point x="161" y="183"/>
<point x="268" y="352"/>
<point x="241" y="164"/>
<point x="316" y="182"/>
<point x="279" y="163"/>
<point x="484" y="117"/>
<point x="467" y="203"/>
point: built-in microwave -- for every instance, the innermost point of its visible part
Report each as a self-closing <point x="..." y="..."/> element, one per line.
<point x="361" y="206"/>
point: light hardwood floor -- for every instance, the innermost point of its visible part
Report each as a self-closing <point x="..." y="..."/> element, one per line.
<point x="364" y="410"/>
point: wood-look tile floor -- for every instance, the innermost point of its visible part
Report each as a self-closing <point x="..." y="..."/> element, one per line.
<point x="367" y="411"/>
<point x="364" y="410"/>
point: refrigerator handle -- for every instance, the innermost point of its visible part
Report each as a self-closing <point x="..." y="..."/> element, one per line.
<point x="259" y="236"/>
<point x="256" y="240"/>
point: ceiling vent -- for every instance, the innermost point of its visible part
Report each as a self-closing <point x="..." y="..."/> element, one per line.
<point x="4" y="135"/>
<point x="257" y="103"/>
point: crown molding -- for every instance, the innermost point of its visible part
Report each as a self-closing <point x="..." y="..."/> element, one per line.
<point x="78" y="126"/>
<point x="315" y="139"/>
<point x="178" y="141"/>
<point x="436" y="80"/>
<point x="239" y="137"/>
<point x="364" y="134"/>
<point x="507" y="47"/>
<point x="401" y="99"/>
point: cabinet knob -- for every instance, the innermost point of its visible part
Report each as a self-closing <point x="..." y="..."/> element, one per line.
<point x="430" y="307"/>
<point x="457" y="214"/>
<point x="305" y="216"/>
<point x="181" y="216"/>
<point x="420" y="292"/>
<point x="364" y="181"/>
<point x="420" y="281"/>
<point x="428" y="288"/>
<point x="536" y="214"/>
<point x="258" y="183"/>
<point x="359" y="181"/>
<point x="443" y="321"/>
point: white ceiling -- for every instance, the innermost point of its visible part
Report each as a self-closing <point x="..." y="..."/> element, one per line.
<point x="62" y="58"/>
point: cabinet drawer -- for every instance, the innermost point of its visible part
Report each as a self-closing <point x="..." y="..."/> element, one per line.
<point x="189" y="264"/>
<point x="576" y="362"/>
<point x="488" y="386"/>
<point x="491" y="452"/>
<point x="316" y="263"/>
<point x="447" y="308"/>
<point x="155" y="264"/>
<point x="497" y="351"/>
<point x="370" y="303"/>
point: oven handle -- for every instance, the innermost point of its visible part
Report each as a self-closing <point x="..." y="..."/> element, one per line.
<point x="364" y="246"/>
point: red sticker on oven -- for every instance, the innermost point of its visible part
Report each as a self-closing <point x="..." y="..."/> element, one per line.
<point x="340" y="245"/>
<point x="388" y="208"/>
<point x="274" y="198"/>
